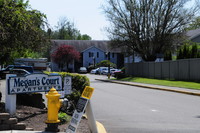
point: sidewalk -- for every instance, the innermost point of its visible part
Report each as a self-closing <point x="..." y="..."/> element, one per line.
<point x="22" y="131"/>
<point x="156" y="87"/>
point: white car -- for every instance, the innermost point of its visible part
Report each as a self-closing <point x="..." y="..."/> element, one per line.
<point x="105" y="72"/>
<point x="82" y="70"/>
<point x="102" y="69"/>
<point x="94" y="71"/>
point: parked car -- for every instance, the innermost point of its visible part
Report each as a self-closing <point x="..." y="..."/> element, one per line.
<point x="105" y="72"/>
<point x="117" y="72"/>
<point x="82" y="70"/>
<point x="18" y="72"/>
<point x="101" y="69"/>
<point x="94" y="71"/>
<point x="15" y="69"/>
<point x="27" y="68"/>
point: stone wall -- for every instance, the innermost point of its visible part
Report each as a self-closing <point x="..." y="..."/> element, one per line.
<point x="9" y="123"/>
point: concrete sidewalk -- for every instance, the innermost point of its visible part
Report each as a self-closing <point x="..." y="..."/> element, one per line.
<point x="156" y="87"/>
<point x="22" y="131"/>
<point x="100" y="129"/>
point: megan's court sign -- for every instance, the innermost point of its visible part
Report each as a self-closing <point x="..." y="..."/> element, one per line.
<point x="34" y="83"/>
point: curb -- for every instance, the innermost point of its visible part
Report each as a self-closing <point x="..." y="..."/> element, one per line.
<point x="100" y="127"/>
<point x="151" y="87"/>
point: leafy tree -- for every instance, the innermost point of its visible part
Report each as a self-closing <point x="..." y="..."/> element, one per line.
<point x="67" y="30"/>
<point x="85" y="37"/>
<point x="105" y="63"/>
<point x="20" y="29"/>
<point x="188" y="50"/>
<point x="195" y="24"/>
<point x="168" y="55"/>
<point x="180" y="54"/>
<point x="64" y="55"/>
<point x="148" y="27"/>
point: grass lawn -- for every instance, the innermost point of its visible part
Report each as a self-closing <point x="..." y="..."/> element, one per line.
<point x="182" y="84"/>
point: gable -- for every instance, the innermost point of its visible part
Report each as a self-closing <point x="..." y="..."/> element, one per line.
<point x="93" y="47"/>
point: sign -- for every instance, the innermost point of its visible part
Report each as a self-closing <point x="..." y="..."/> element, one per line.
<point x="34" y="83"/>
<point x="87" y="92"/>
<point x="67" y="87"/>
<point x="80" y="108"/>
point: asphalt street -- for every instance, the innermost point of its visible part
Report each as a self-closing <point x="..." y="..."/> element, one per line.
<point x="129" y="109"/>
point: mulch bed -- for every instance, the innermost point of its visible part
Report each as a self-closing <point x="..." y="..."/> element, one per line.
<point x="35" y="118"/>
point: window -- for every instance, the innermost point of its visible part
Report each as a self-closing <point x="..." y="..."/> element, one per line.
<point x="91" y="54"/>
<point x="97" y="54"/>
<point x="113" y="55"/>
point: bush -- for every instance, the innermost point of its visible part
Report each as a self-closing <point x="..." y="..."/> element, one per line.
<point x="119" y="75"/>
<point x="78" y="81"/>
<point x="63" y="117"/>
<point x="90" y="68"/>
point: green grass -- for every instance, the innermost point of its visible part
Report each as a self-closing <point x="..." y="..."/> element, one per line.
<point x="182" y="84"/>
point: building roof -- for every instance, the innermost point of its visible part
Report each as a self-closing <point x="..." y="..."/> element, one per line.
<point x="193" y="33"/>
<point x="81" y="45"/>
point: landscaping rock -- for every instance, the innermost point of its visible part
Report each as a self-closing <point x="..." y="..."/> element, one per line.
<point x="4" y="127"/>
<point x="19" y="126"/>
<point x="4" y="116"/>
<point x="10" y="121"/>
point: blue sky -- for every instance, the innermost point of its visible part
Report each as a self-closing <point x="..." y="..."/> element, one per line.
<point x="86" y="14"/>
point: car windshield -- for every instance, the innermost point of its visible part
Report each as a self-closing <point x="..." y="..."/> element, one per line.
<point x="82" y="68"/>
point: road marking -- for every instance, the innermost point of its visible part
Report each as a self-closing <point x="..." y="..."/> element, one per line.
<point x="154" y="110"/>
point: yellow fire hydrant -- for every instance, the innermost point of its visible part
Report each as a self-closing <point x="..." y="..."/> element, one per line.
<point x="54" y="104"/>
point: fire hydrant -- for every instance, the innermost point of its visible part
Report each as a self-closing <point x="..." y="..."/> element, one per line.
<point x="54" y="104"/>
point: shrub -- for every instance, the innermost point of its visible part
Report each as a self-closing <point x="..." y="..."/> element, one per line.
<point x="119" y="75"/>
<point x="63" y="117"/>
<point x="90" y="68"/>
<point x="106" y="63"/>
<point x="78" y="81"/>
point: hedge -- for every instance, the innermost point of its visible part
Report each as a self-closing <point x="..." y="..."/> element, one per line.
<point x="78" y="81"/>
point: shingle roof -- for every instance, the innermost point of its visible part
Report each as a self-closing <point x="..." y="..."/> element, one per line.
<point x="193" y="33"/>
<point x="81" y="45"/>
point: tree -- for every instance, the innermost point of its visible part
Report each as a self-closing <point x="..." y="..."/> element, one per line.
<point x="106" y="63"/>
<point x="67" y="30"/>
<point x="64" y="55"/>
<point x="188" y="50"/>
<point x="195" y="24"/>
<point x="20" y="29"/>
<point x="148" y="27"/>
<point x="168" y="56"/>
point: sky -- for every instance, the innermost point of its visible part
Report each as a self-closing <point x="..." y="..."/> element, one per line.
<point x="87" y="15"/>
